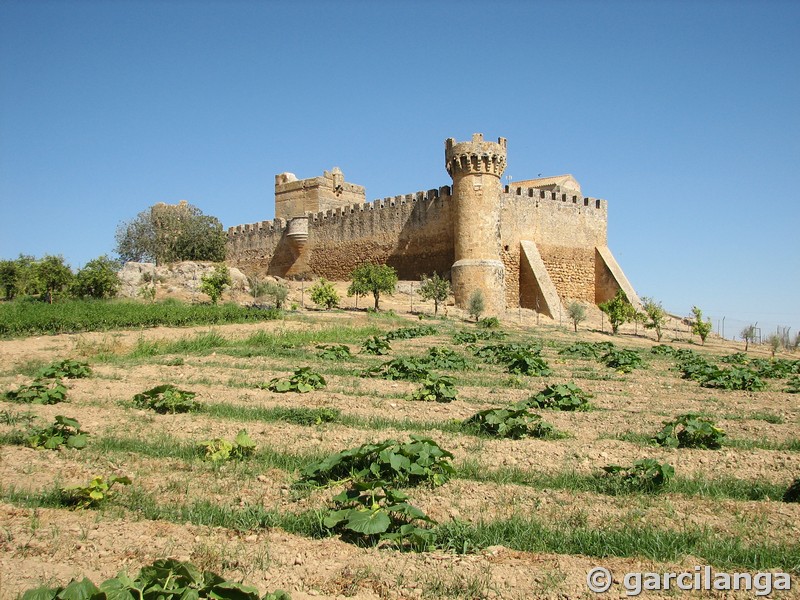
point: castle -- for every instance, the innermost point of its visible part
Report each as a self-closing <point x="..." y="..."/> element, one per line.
<point x="536" y="244"/>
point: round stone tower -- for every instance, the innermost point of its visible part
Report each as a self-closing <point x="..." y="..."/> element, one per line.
<point x="476" y="168"/>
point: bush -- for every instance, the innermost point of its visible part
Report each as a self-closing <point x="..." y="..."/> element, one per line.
<point x="690" y="431"/>
<point x="324" y="294"/>
<point x="212" y="284"/>
<point x="98" y="279"/>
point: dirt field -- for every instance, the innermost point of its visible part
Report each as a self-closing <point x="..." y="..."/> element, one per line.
<point x="52" y="545"/>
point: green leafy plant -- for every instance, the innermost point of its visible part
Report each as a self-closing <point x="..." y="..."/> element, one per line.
<point x="63" y="432"/>
<point x="489" y="323"/>
<point x="411" y="369"/>
<point x="586" y="349"/>
<point x="655" y="316"/>
<point x="376" y="345"/>
<point x="95" y="493"/>
<point x="374" y="279"/>
<point x="372" y="512"/>
<point x="690" y="431"/>
<point x="562" y="396"/>
<point x="434" y="288"/>
<point x="645" y="475"/>
<point x="212" y="284"/>
<point x="302" y="380"/>
<point x="511" y="422"/>
<point x="324" y="294"/>
<point x="576" y="313"/>
<point x="619" y="310"/>
<point x="407" y="333"/>
<point x="793" y="385"/>
<point x="622" y="360"/>
<point x="220" y="450"/>
<point x="525" y="362"/>
<point x="700" y="327"/>
<point x="39" y="391"/>
<point x="65" y="369"/>
<point x="436" y="388"/>
<point x="418" y="461"/>
<point x="439" y="357"/>
<point x="165" y="579"/>
<point x="167" y="399"/>
<point x="663" y="350"/>
<point x="309" y="416"/>
<point x="333" y="351"/>
<point x="470" y="337"/>
<point x="476" y="304"/>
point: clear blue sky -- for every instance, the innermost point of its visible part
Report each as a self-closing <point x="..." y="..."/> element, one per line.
<point x="685" y="116"/>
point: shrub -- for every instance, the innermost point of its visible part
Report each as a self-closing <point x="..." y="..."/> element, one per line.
<point x="512" y="422"/>
<point x="476" y="304"/>
<point x="375" y="345"/>
<point x="646" y="475"/>
<point x="690" y="431"/>
<point x="333" y="351"/>
<point x="619" y="310"/>
<point x="436" y="388"/>
<point x="40" y="391"/>
<point x="95" y="493"/>
<point x="699" y="326"/>
<point x="374" y="279"/>
<point x="324" y="294"/>
<point x="63" y="432"/>
<point x="167" y="399"/>
<point x="219" y="449"/>
<point x="302" y="380"/>
<point x="212" y="284"/>
<point x="434" y="288"/>
<point x="97" y="279"/>
<point x="278" y="292"/>
<point x="577" y="314"/>
<point x="562" y="396"/>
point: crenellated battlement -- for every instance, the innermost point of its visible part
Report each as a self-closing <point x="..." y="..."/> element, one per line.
<point x="559" y="195"/>
<point x="475" y="157"/>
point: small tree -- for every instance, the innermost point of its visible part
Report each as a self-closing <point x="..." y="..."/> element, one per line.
<point x="374" y="279"/>
<point x="213" y="283"/>
<point x="476" y="304"/>
<point x="434" y="288"/>
<point x="98" y="279"/>
<point x="324" y="294"/>
<point x="656" y="317"/>
<point x="700" y="327"/>
<point x="775" y="343"/>
<point x="619" y="311"/>
<point x="278" y="292"/>
<point x="53" y="275"/>
<point x="577" y="314"/>
<point x="748" y="334"/>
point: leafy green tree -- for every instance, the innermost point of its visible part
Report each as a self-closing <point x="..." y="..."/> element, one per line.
<point x="278" y="292"/>
<point x="324" y="294"/>
<point x="215" y="282"/>
<point x="700" y="327"/>
<point x="619" y="310"/>
<point x="748" y="334"/>
<point x="53" y="275"/>
<point x="577" y="314"/>
<point x="27" y="276"/>
<point x="655" y="314"/>
<point x="434" y="288"/>
<point x="476" y="304"/>
<point x="9" y="274"/>
<point x="775" y="343"/>
<point x="372" y="278"/>
<point x="171" y="232"/>
<point x="98" y="279"/>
